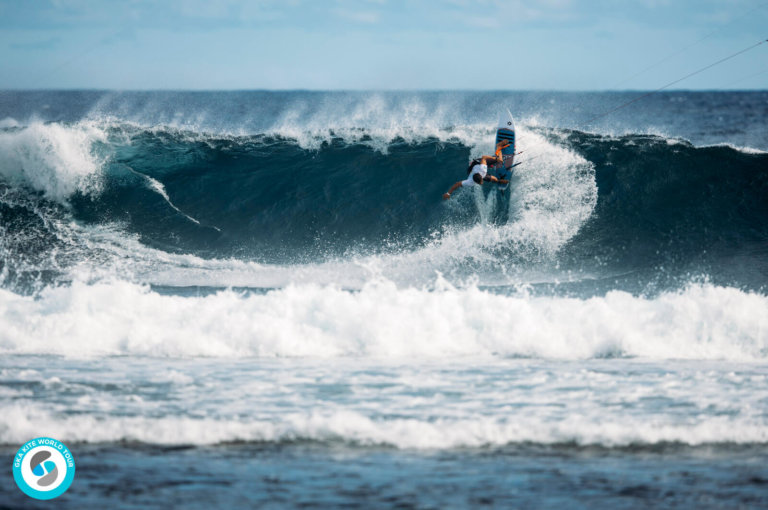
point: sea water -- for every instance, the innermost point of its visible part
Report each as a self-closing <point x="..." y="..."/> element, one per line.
<point x="259" y="298"/>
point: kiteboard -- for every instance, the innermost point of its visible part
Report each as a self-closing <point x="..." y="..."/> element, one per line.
<point x="506" y="132"/>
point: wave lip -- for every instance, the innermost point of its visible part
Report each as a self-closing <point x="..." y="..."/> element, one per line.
<point x="115" y="318"/>
<point x="55" y="159"/>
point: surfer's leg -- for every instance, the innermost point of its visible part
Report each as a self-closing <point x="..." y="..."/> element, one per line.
<point x="503" y="144"/>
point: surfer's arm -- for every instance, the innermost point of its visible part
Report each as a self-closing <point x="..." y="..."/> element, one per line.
<point x="456" y="186"/>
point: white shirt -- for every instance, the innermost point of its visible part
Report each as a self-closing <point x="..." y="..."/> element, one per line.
<point x="478" y="169"/>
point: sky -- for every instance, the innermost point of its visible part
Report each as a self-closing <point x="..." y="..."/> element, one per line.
<point x="381" y="44"/>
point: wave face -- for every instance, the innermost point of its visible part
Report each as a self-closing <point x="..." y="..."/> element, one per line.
<point x="663" y="201"/>
<point x="268" y="199"/>
<point x="598" y="205"/>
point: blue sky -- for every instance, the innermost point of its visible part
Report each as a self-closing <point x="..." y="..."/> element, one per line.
<point x="380" y="44"/>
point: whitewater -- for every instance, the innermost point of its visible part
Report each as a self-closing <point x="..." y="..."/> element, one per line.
<point x="272" y="278"/>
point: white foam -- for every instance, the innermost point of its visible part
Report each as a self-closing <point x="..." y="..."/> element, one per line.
<point x="19" y="421"/>
<point x="55" y="159"/>
<point x="745" y="150"/>
<point x="701" y="322"/>
<point x="8" y="122"/>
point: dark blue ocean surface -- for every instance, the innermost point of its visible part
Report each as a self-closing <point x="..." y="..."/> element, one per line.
<point x="307" y="476"/>
<point x="260" y="298"/>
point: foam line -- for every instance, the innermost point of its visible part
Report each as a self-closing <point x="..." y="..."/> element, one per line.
<point x="21" y="421"/>
<point x="108" y="318"/>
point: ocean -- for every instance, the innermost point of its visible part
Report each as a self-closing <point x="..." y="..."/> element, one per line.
<point x="260" y="298"/>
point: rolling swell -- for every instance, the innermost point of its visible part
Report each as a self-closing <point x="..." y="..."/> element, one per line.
<point x="668" y="203"/>
<point x="267" y="198"/>
<point x="659" y="200"/>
